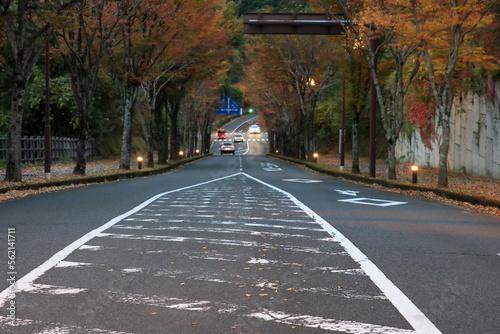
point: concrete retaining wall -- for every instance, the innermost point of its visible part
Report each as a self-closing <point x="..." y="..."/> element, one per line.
<point x="474" y="140"/>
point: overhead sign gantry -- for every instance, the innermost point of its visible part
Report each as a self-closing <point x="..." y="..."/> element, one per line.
<point x="293" y="23"/>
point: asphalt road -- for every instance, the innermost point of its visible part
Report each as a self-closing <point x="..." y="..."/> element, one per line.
<point x="245" y="244"/>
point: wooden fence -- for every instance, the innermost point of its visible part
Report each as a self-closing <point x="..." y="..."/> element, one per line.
<point x="33" y="148"/>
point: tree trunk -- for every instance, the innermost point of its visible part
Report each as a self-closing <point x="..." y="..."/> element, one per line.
<point x="391" y="158"/>
<point x="14" y="163"/>
<point x="355" y="145"/>
<point x="128" y="118"/>
<point x="443" y="150"/>
<point x="174" y="132"/>
<point x="83" y="137"/>
<point x="161" y="134"/>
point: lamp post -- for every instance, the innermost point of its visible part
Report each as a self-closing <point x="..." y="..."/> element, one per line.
<point x="342" y="131"/>
<point x="414" y="174"/>
<point x="47" y="130"/>
<point x="139" y="162"/>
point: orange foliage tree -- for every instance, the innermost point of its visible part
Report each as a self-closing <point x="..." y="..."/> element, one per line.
<point x="154" y="42"/>
<point x="306" y="64"/>
<point x="445" y="29"/>
<point x="85" y="31"/>
<point x="387" y="23"/>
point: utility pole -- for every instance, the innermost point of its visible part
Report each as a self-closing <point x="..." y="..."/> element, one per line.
<point x="48" y="137"/>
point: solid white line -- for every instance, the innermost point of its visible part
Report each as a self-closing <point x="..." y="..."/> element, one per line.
<point x="26" y="281"/>
<point x="405" y="306"/>
<point x="247" y="121"/>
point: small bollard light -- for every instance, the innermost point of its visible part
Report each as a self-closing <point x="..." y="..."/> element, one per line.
<point x="197" y="151"/>
<point x="315" y="157"/>
<point x="414" y="174"/>
<point x="181" y="153"/>
<point x="139" y="162"/>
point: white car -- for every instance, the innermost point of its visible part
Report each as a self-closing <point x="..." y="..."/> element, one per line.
<point x="254" y="129"/>
<point x="238" y="138"/>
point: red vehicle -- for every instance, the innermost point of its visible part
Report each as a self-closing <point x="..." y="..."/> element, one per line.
<point x="221" y="134"/>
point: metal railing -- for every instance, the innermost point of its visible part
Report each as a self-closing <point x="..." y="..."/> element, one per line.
<point x="32" y="148"/>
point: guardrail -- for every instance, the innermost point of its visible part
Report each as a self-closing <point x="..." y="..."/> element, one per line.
<point x="32" y="148"/>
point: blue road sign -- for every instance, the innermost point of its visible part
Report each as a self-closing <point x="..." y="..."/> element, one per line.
<point x="227" y="105"/>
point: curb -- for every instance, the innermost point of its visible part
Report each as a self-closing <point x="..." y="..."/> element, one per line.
<point x="105" y="178"/>
<point x="475" y="200"/>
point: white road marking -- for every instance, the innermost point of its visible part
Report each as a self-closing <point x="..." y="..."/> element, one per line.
<point x="405" y="306"/>
<point x="372" y="201"/>
<point x="55" y="328"/>
<point x="352" y="327"/>
<point x="25" y="282"/>
<point x="407" y="309"/>
<point x="53" y="290"/>
<point x="302" y="180"/>
<point x="224" y="242"/>
<point x="348" y="192"/>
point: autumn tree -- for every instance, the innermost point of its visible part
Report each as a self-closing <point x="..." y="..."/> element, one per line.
<point x="445" y="29"/>
<point x="308" y="65"/>
<point x="155" y="40"/>
<point x="26" y="29"/>
<point x="382" y="29"/>
<point x="355" y="76"/>
<point x="86" y="30"/>
<point x="199" y="50"/>
<point x="266" y="86"/>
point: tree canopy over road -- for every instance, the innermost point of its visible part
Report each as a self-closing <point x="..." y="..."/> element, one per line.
<point x="146" y="75"/>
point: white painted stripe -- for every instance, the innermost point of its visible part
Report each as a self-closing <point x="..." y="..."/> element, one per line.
<point x="216" y="230"/>
<point x="405" y="306"/>
<point x="53" y="289"/>
<point x="173" y="303"/>
<point x="91" y="248"/>
<point x="55" y="328"/>
<point x="343" y="326"/>
<point x="224" y="242"/>
<point x="68" y="264"/>
<point x="25" y="281"/>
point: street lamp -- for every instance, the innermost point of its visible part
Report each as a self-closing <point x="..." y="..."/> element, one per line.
<point x="414" y="174"/>
<point x="139" y="162"/>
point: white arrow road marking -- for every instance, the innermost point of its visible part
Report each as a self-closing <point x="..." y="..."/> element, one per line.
<point x="348" y="192"/>
<point x="302" y="180"/>
<point x="372" y="201"/>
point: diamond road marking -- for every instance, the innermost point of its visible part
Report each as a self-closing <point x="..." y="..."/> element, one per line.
<point x="302" y="180"/>
<point x="372" y="201"/>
